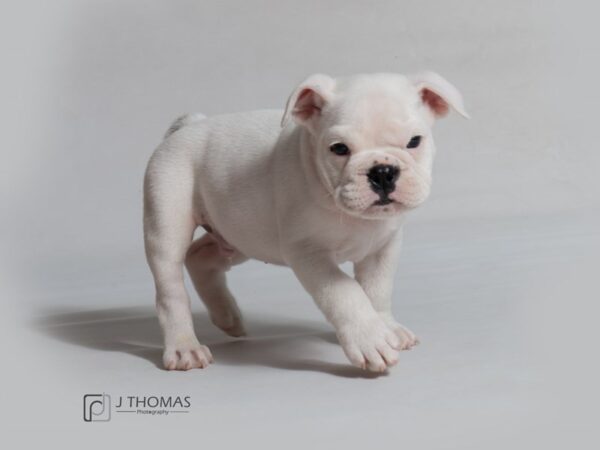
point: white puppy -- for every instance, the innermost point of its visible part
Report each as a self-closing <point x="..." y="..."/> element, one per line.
<point x="333" y="185"/>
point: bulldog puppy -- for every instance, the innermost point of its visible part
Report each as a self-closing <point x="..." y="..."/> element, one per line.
<point x="328" y="180"/>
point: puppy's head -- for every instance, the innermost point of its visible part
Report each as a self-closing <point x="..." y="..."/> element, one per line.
<point x="370" y="137"/>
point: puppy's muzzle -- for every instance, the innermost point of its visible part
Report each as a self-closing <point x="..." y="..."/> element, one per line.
<point x="382" y="179"/>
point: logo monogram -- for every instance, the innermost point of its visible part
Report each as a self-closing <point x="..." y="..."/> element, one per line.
<point x="96" y="407"/>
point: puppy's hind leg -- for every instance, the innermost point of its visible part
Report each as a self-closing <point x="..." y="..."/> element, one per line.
<point x="168" y="231"/>
<point x="207" y="263"/>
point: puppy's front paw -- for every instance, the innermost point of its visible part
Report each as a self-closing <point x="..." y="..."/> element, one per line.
<point x="186" y="356"/>
<point x="370" y="344"/>
<point x="407" y="338"/>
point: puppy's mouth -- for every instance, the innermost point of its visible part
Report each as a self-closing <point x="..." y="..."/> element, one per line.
<point x="383" y="209"/>
<point x="366" y="204"/>
<point x="383" y="201"/>
<point x="385" y="205"/>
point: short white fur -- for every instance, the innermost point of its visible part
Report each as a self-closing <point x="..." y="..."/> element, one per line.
<point x="281" y="196"/>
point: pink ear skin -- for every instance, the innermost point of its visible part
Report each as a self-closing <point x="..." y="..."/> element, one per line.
<point x="439" y="94"/>
<point x="308" y="104"/>
<point x="437" y="104"/>
<point x="308" y="99"/>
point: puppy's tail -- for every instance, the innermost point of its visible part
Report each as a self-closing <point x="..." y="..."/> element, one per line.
<point x="182" y="121"/>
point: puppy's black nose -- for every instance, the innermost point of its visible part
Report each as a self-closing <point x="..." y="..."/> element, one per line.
<point x="382" y="178"/>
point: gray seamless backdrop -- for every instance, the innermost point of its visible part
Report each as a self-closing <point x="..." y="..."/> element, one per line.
<point x="504" y="255"/>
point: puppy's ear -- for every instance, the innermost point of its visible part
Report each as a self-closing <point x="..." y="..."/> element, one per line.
<point x="308" y="99"/>
<point x="438" y="94"/>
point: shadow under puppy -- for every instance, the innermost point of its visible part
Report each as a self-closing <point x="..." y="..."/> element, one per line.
<point x="326" y="181"/>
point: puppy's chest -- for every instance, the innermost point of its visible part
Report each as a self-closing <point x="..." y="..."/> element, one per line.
<point x="354" y="245"/>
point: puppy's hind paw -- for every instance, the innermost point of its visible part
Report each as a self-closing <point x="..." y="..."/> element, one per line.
<point x="235" y="330"/>
<point x="186" y="357"/>
<point x="230" y="321"/>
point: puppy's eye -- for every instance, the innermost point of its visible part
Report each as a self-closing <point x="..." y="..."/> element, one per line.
<point x="414" y="142"/>
<point x="340" y="149"/>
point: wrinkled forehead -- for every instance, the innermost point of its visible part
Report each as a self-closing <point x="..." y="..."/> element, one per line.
<point x="377" y="110"/>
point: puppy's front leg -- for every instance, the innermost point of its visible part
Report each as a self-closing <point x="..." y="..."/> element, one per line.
<point x="366" y="339"/>
<point x="375" y="273"/>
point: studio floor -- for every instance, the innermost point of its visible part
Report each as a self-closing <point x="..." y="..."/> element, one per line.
<point x="498" y="275"/>
<point x="480" y="295"/>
